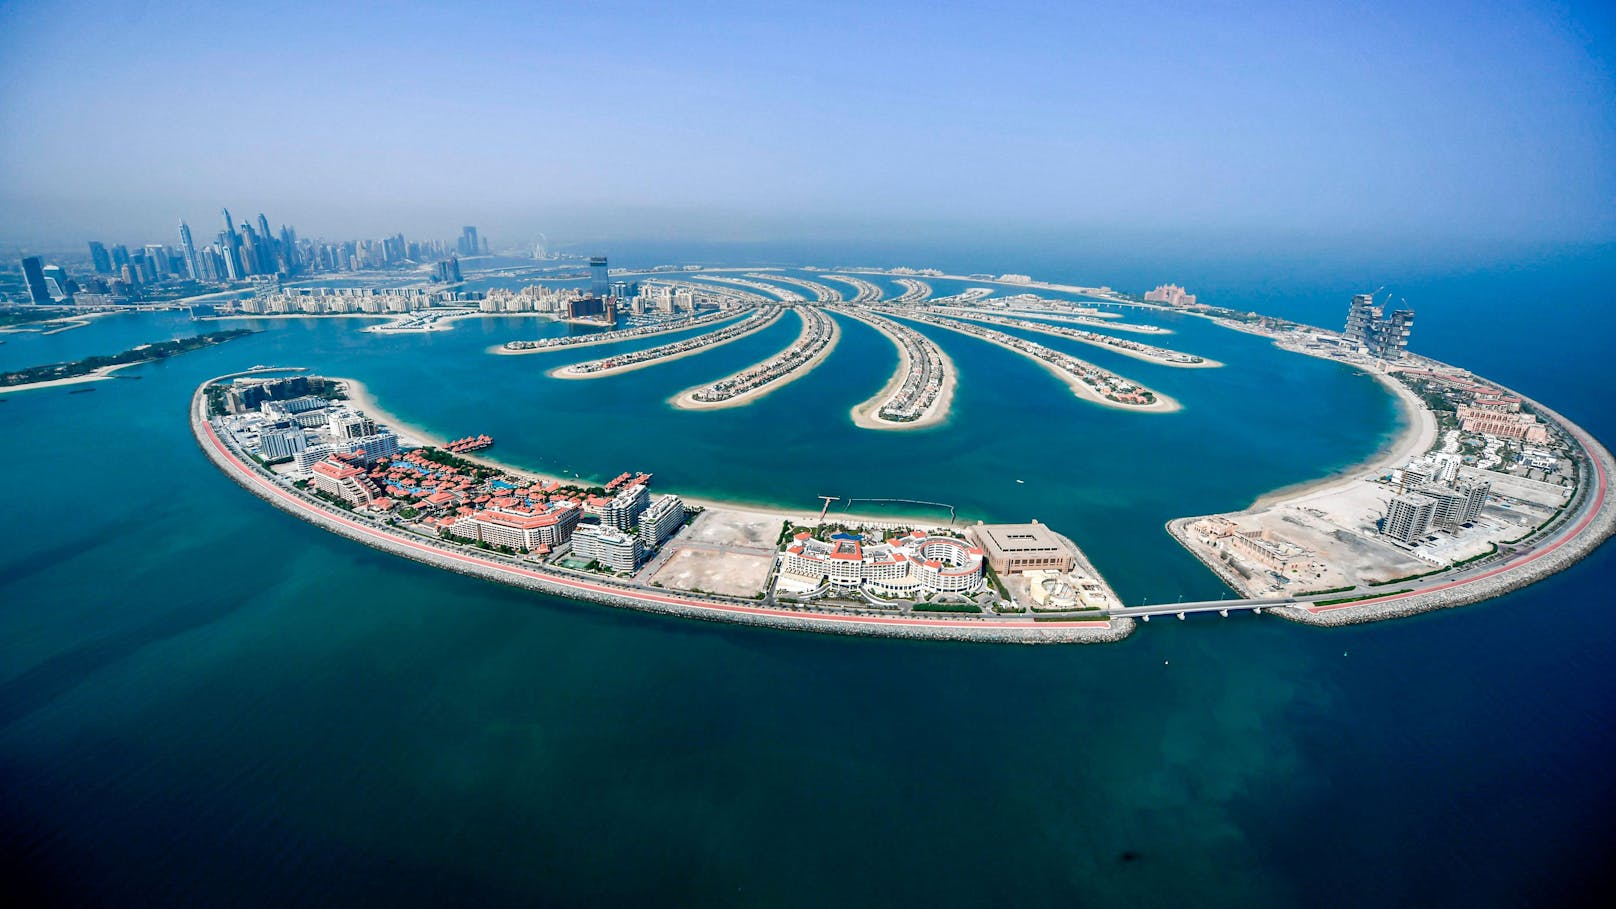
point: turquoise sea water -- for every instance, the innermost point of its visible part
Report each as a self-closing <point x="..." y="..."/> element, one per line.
<point x="204" y="700"/>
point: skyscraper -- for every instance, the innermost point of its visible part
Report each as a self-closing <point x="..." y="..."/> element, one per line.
<point x="188" y="250"/>
<point x="469" y="245"/>
<point x="98" y="256"/>
<point x="599" y="285"/>
<point x="1367" y="331"/>
<point x="231" y="243"/>
<point x="33" y="274"/>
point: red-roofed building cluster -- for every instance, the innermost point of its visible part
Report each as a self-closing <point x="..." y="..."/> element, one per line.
<point x="911" y="565"/>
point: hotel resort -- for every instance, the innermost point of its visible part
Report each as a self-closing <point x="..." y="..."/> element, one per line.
<point x="909" y="566"/>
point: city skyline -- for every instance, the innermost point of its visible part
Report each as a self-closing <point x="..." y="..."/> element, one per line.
<point x="1244" y="121"/>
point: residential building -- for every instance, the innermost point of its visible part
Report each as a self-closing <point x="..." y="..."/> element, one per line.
<point x="661" y="521"/>
<point x="1409" y="516"/>
<point x="275" y="444"/>
<point x="607" y="545"/>
<point x="623" y="511"/>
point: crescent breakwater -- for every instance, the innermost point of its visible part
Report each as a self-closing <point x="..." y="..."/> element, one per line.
<point x="818" y="338"/>
<point x="1158" y="355"/>
<point x="921" y="389"/>
<point x="593" y="588"/>
<point x="607" y="337"/>
<point x="755" y="321"/>
<point x="1086" y="380"/>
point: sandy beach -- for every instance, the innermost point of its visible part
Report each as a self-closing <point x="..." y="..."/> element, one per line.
<point x="1418" y="435"/>
<point x="865" y="414"/>
<point x="1162" y="404"/>
<point x="686" y="400"/>
<point x="363" y="399"/>
<point x="561" y="372"/>
<point x="591" y="341"/>
<point x="1135" y="354"/>
<point x="104" y="372"/>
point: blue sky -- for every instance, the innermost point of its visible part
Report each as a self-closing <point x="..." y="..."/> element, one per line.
<point x="1400" y="123"/>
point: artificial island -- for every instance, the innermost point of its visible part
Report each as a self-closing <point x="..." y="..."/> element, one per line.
<point x="1434" y="521"/>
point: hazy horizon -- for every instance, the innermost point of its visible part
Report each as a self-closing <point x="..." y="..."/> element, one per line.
<point x="1408" y="129"/>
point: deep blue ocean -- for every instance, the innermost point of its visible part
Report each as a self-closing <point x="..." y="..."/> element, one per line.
<point x="204" y="701"/>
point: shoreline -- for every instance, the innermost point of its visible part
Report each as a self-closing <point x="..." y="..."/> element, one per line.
<point x="579" y="586"/>
<point x="865" y="415"/>
<point x="685" y="400"/>
<point x="362" y="398"/>
<point x="687" y="325"/>
<point x="1415" y="437"/>
<point x="1080" y="389"/>
<point x="560" y="372"/>
<point x="1054" y="331"/>
<point x="95" y="375"/>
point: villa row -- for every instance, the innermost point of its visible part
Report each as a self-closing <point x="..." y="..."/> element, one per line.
<point x="913" y="291"/>
<point x="819" y="331"/>
<point x="822" y="293"/>
<point x="924" y="381"/>
<point x="623" y="334"/>
<point x="1106" y="385"/>
<point x="1143" y="351"/>
<point x="757" y="320"/>
<point x="770" y="291"/>
<point x="867" y="292"/>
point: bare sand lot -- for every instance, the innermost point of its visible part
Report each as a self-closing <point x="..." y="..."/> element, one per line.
<point x="724" y="571"/>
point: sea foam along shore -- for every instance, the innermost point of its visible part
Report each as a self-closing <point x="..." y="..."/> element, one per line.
<point x="513" y="572"/>
<point x="865" y="414"/>
<point x="686" y="400"/>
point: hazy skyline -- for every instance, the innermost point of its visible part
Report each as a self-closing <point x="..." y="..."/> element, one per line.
<point x="1377" y="124"/>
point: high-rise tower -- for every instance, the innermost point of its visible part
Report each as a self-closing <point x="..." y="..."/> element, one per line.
<point x="98" y="256"/>
<point x="33" y="274"/>
<point x="188" y="251"/>
<point x="599" y="286"/>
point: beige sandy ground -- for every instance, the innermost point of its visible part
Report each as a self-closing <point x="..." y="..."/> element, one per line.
<point x="503" y="351"/>
<point x="1162" y="404"/>
<point x="104" y="372"/>
<point x="865" y="414"/>
<point x="57" y="326"/>
<point x="362" y="399"/>
<point x="1206" y="363"/>
<point x="686" y="400"/>
<point x="561" y="372"/>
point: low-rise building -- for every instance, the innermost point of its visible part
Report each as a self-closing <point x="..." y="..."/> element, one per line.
<point x="522" y="529"/>
<point x="345" y="481"/>
<point x="912" y="565"/>
<point x="1022" y="547"/>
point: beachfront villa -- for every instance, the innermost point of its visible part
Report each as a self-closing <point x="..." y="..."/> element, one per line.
<point x="912" y="565"/>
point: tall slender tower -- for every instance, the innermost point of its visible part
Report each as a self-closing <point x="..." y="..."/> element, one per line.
<point x="232" y="248"/>
<point x="188" y="250"/>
